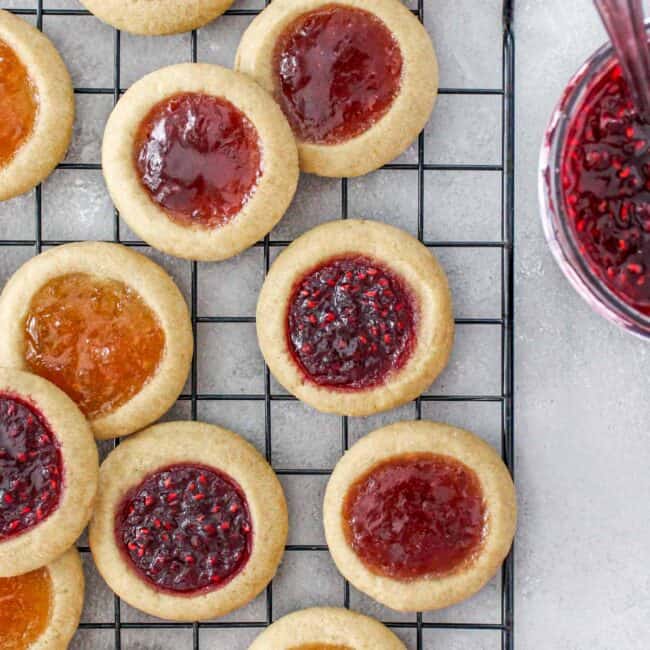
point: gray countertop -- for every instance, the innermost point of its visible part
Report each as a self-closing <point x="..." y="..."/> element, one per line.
<point x="582" y="415"/>
<point x="582" y="443"/>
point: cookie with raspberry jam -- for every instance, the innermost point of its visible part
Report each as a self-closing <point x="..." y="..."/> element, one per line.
<point x="48" y="472"/>
<point x="357" y="79"/>
<point x="36" y="106"/>
<point x="355" y="317"/>
<point x="191" y="521"/>
<point x="327" y="628"/>
<point x="105" y="324"/>
<point x="420" y="515"/>
<point x="200" y="161"/>
<point x="157" y="17"/>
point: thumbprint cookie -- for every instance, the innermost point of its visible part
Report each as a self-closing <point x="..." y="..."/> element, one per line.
<point x="420" y="515"/>
<point x="200" y="161"/>
<point x="36" y="106"/>
<point x="105" y="324"/>
<point x="190" y="523"/>
<point x="355" y="317"/>
<point x="48" y="472"/>
<point x="357" y="79"/>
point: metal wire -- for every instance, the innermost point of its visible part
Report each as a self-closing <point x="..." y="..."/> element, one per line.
<point x="506" y="323"/>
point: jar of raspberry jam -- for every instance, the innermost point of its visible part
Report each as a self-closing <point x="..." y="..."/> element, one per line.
<point x="594" y="191"/>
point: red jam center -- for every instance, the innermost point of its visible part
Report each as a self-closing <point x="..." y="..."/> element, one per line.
<point x="415" y="515"/>
<point x="338" y="70"/>
<point x="606" y="182"/>
<point x="350" y="323"/>
<point x="186" y="528"/>
<point x="31" y="467"/>
<point x="198" y="157"/>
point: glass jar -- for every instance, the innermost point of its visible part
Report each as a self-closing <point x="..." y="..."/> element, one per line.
<point x="553" y="203"/>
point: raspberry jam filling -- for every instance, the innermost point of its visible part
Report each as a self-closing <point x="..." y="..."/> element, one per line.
<point x="199" y="158"/>
<point x="25" y="606"/>
<point x="605" y="176"/>
<point x="96" y="339"/>
<point x="31" y="467"/>
<point x="415" y="515"/>
<point x="18" y="104"/>
<point x="186" y="528"/>
<point x="350" y="323"/>
<point x="338" y="71"/>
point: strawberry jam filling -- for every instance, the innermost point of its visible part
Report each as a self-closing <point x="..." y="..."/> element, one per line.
<point x="94" y="338"/>
<point x="31" y="467"/>
<point x="186" y="528"/>
<point x="18" y="104"/>
<point x="606" y="183"/>
<point x="415" y="515"/>
<point x="338" y="70"/>
<point x="25" y="605"/>
<point x="199" y="158"/>
<point x="350" y="323"/>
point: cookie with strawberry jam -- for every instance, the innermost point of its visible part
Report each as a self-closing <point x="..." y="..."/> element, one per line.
<point x="191" y="521"/>
<point x="41" y="609"/>
<point x="200" y="161"/>
<point x="106" y="325"/>
<point x="48" y="472"/>
<point x="327" y="628"/>
<point x="36" y="106"/>
<point x="357" y="79"/>
<point x="355" y="317"/>
<point x="420" y="515"/>
<point x="156" y="17"/>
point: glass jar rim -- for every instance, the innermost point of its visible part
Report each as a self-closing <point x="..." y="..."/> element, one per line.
<point x="552" y="203"/>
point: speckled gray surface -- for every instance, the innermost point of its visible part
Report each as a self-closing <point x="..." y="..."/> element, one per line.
<point x="582" y="410"/>
<point x="582" y="434"/>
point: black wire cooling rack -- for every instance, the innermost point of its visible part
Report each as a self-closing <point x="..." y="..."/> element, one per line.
<point x="505" y="627"/>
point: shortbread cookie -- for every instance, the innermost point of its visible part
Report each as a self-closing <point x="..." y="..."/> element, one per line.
<point x="200" y="161"/>
<point x="355" y="317"/>
<point x="48" y="472"/>
<point x="420" y="515"/>
<point x="41" y="609"/>
<point x="36" y="106"/>
<point x="357" y="79"/>
<point x="191" y="521"/>
<point x="105" y="324"/>
<point x="327" y="628"/>
<point x="157" y="17"/>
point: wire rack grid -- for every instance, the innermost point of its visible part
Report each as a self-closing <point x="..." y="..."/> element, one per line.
<point x="418" y="627"/>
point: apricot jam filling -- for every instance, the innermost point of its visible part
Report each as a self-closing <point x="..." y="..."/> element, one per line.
<point x="186" y="528"/>
<point x="31" y="467"/>
<point x="350" y="323"/>
<point x="416" y="515"/>
<point x="199" y="158"/>
<point x="18" y="104"/>
<point x="25" y="607"/>
<point x="337" y="72"/>
<point x="95" y="338"/>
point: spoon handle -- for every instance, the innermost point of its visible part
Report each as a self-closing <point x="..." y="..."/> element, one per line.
<point x="623" y="20"/>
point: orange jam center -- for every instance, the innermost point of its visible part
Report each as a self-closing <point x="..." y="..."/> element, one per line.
<point x="18" y="104"/>
<point x="94" y="338"/>
<point x="25" y="603"/>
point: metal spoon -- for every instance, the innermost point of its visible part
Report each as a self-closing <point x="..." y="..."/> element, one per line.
<point x="623" y="20"/>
